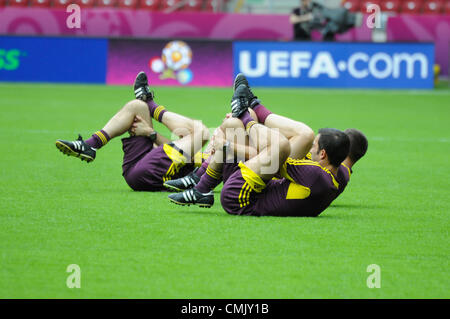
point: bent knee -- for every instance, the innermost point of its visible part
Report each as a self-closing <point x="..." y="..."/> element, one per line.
<point x="205" y="133"/>
<point x="191" y="127"/>
<point x="308" y="135"/>
<point x="231" y="122"/>
<point x="136" y="105"/>
<point x="284" y="147"/>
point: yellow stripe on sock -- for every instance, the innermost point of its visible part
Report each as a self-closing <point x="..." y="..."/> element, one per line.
<point x="158" y="111"/>
<point x="99" y="135"/>
<point x="102" y="137"/>
<point x="249" y="125"/>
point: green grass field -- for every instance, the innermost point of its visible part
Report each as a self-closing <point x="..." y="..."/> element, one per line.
<point x="57" y="210"/>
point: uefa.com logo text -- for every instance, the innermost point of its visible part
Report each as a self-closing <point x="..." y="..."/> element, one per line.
<point x="359" y="65"/>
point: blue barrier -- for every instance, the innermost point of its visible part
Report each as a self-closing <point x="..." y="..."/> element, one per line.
<point x="36" y="59"/>
<point x="272" y="64"/>
<point x="339" y="65"/>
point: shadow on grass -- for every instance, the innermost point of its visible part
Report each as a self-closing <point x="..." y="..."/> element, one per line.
<point x="335" y="211"/>
<point x="195" y="210"/>
<point x="222" y="214"/>
<point x="356" y="206"/>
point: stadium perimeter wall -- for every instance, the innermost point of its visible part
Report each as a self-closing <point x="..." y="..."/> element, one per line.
<point x="214" y="63"/>
<point x="110" y="22"/>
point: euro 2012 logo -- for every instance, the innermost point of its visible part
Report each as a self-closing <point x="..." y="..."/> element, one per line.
<point x="174" y="62"/>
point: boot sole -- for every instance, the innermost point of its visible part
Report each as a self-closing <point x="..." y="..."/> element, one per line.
<point x="173" y="188"/>
<point x="189" y="204"/>
<point x="63" y="148"/>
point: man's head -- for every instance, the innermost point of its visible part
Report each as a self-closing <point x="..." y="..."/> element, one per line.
<point x="331" y="146"/>
<point x="305" y="3"/>
<point x="358" y="144"/>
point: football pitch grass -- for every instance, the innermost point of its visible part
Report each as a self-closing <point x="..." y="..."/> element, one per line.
<point x="57" y="211"/>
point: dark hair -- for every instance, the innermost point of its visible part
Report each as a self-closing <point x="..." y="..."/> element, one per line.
<point x="358" y="144"/>
<point x="336" y="143"/>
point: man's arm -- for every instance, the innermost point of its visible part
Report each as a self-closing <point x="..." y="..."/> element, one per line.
<point x="234" y="148"/>
<point x="160" y="140"/>
<point x="294" y="18"/>
<point x="141" y="128"/>
<point x="300" y="135"/>
<point x="242" y="151"/>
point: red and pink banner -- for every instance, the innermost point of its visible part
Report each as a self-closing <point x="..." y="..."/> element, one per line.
<point x="423" y="28"/>
<point x="110" y="22"/>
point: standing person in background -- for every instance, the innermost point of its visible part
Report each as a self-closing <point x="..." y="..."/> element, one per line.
<point x="299" y="19"/>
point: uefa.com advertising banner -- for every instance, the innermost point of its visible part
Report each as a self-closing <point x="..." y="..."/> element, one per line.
<point x="214" y="63"/>
<point x="336" y="65"/>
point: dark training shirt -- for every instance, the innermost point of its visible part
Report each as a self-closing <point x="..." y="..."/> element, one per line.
<point x="305" y="189"/>
<point x="301" y="31"/>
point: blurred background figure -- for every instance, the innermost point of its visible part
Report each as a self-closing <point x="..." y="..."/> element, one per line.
<point x="328" y="20"/>
<point x="300" y="19"/>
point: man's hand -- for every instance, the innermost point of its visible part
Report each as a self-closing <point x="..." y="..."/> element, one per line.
<point x="218" y="143"/>
<point x="140" y="127"/>
<point x="217" y="140"/>
<point x="294" y="19"/>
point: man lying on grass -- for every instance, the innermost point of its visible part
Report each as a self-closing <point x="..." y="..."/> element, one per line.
<point x="149" y="158"/>
<point x="305" y="187"/>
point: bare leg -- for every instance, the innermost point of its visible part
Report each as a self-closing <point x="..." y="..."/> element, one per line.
<point x="275" y="152"/>
<point x="241" y="146"/>
<point x="274" y="147"/>
<point x="213" y="173"/>
<point x="122" y="120"/>
<point x="216" y="161"/>
<point x="179" y="125"/>
<point x="300" y="135"/>
<point x="120" y="123"/>
<point x="253" y="115"/>
<point x="192" y="132"/>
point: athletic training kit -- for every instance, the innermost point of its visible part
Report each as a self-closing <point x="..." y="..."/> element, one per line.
<point x="304" y="188"/>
